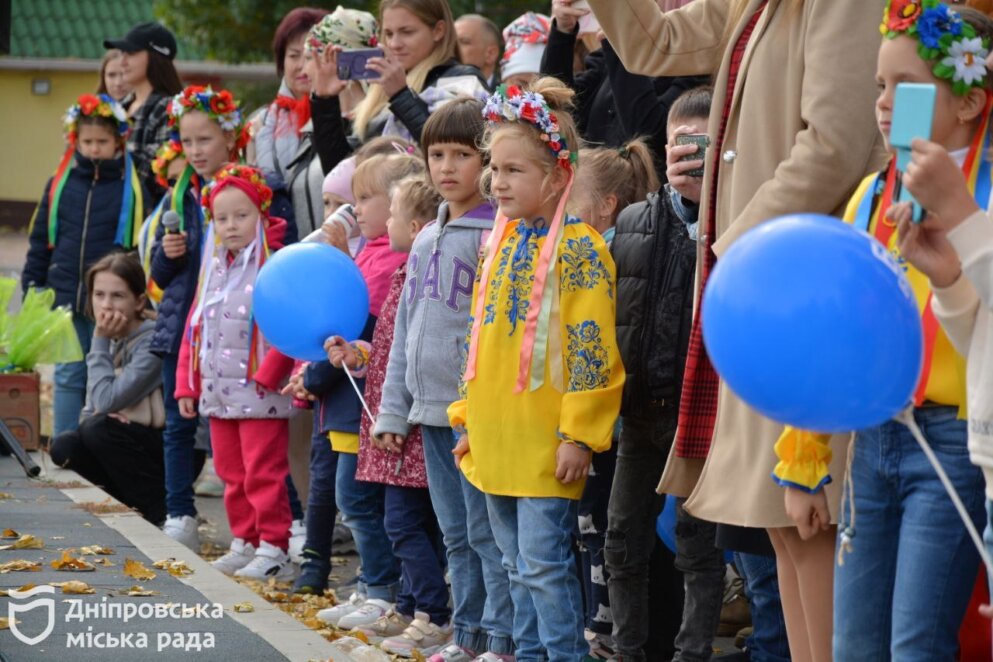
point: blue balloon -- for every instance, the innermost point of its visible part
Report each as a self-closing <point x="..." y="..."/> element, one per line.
<point x="813" y="324"/>
<point x="305" y="293"/>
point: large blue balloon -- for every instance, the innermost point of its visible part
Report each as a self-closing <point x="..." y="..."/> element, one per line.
<point x="813" y="324"/>
<point x="305" y="293"/>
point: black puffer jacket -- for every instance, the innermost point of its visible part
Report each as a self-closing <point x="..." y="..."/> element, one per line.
<point x="88" y="214"/>
<point x="656" y="263"/>
<point x="412" y="111"/>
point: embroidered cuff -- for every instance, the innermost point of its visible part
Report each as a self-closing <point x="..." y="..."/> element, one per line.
<point x="569" y="440"/>
<point x="804" y="457"/>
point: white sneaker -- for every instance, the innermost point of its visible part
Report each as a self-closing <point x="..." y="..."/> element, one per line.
<point x="183" y="529"/>
<point x="239" y="555"/>
<point x="367" y="614"/>
<point x="298" y="538"/>
<point x="421" y="636"/>
<point x="270" y="562"/>
<point x="332" y="615"/>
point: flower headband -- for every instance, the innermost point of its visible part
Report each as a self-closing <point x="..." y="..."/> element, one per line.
<point x="165" y="155"/>
<point x="511" y="104"/>
<point x="347" y="28"/>
<point x="958" y="55"/>
<point x="95" y="105"/>
<point x="219" y="106"/>
<point x="251" y="182"/>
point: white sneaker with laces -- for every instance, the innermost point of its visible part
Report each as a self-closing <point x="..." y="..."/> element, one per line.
<point x="183" y="529"/>
<point x="332" y="615"/>
<point x="298" y="538"/>
<point x="238" y="556"/>
<point x="270" y="562"/>
<point x="367" y="614"/>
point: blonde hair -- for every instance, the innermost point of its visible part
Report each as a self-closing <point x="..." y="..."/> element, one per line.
<point x="628" y="172"/>
<point x="559" y="98"/>
<point x="378" y="174"/>
<point x="429" y="12"/>
<point x="416" y="196"/>
<point x="385" y="146"/>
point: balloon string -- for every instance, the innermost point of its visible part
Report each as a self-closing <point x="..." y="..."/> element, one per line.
<point x="907" y="418"/>
<point x="358" y="392"/>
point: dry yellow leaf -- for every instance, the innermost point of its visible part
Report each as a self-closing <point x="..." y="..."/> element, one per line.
<point x="69" y="563"/>
<point x="5" y="623"/>
<point x="139" y="592"/>
<point x="244" y="607"/>
<point x="27" y="541"/>
<point x="174" y="567"/>
<point x="5" y="592"/>
<point x="6" y="495"/>
<point x="137" y="570"/>
<point x="94" y="550"/>
<point x="75" y="587"/>
<point x="10" y="533"/>
<point x="19" y="565"/>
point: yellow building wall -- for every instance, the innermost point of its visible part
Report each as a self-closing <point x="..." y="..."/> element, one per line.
<point x="31" y="128"/>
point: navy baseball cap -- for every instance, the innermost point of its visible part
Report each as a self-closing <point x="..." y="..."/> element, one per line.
<point x="146" y="37"/>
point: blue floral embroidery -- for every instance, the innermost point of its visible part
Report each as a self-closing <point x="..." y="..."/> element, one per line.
<point x="520" y="279"/>
<point x="493" y="288"/>
<point x="586" y="357"/>
<point x="582" y="267"/>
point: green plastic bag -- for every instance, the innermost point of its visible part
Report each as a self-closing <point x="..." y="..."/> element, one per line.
<point x="38" y="334"/>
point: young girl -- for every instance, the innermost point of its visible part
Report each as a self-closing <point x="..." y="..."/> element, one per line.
<point x="119" y="443"/>
<point x="112" y="81"/>
<point x="208" y="126"/>
<point x="609" y="181"/>
<point x="223" y="364"/>
<point x="429" y="332"/>
<point x="421" y="619"/>
<point x="907" y="576"/>
<point x="543" y="376"/>
<point x="93" y="203"/>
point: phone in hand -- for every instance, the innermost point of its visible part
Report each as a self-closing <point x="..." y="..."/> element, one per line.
<point x="352" y="64"/>
<point x="913" y="113"/>
<point x="702" y="141"/>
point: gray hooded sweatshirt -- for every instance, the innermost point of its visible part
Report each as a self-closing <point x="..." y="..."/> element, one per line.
<point x="422" y="378"/>
<point x="141" y="371"/>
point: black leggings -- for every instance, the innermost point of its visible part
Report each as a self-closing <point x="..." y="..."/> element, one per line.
<point x="124" y="459"/>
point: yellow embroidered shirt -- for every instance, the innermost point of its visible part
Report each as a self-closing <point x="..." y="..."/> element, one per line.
<point x="513" y="437"/>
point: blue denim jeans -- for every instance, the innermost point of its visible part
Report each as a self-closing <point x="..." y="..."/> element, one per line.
<point x="362" y="510"/>
<point x="904" y="588"/>
<point x="70" y="383"/>
<point x="535" y="536"/>
<point x="413" y="530"/>
<point x="321" y="505"/>
<point x="768" y="642"/>
<point x="178" y="440"/>
<point x="482" y="611"/>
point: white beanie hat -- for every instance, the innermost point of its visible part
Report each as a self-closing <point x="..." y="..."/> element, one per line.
<point x="525" y="60"/>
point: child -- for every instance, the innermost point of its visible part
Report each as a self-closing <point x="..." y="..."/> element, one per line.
<point x="209" y="128"/>
<point x="908" y="574"/>
<point x="361" y="503"/>
<point x="224" y="364"/>
<point x="543" y="376"/>
<point x="421" y="618"/>
<point x="93" y="203"/>
<point x="610" y="180"/>
<point x="422" y="378"/>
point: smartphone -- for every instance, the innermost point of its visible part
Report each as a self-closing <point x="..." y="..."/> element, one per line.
<point x="913" y="113"/>
<point x="702" y="141"/>
<point x="352" y="64"/>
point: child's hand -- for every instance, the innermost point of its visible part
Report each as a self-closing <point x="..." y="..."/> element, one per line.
<point x="110" y="324"/>
<point x="391" y="442"/>
<point x="572" y="463"/>
<point x="808" y="511"/>
<point x="937" y="183"/>
<point x="461" y="449"/>
<point x="187" y="407"/>
<point x="926" y="246"/>
<point x="566" y="17"/>
<point x="334" y="235"/>
<point x="684" y="185"/>
<point x="174" y="244"/>
<point x="340" y="352"/>
<point x="296" y="389"/>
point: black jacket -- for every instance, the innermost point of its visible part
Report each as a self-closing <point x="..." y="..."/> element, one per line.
<point x="149" y="131"/>
<point x="613" y="105"/>
<point x="88" y="214"/>
<point x="656" y="264"/>
<point x="413" y="112"/>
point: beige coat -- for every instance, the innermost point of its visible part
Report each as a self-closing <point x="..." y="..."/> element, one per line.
<point x="800" y="137"/>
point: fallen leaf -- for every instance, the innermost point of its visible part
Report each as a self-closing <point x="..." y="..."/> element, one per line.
<point x="74" y="587"/>
<point x="94" y="550"/>
<point x="174" y="567"/>
<point x="139" y="592"/>
<point x="19" y="566"/>
<point x="5" y="623"/>
<point x="244" y="607"/>
<point x="69" y="563"/>
<point x="105" y="507"/>
<point x="137" y="570"/>
<point x="5" y="592"/>
<point x="10" y="533"/>
<point x="87" y="524"/>
<point x="27" y="541"/>
<point x="6" y="495"/>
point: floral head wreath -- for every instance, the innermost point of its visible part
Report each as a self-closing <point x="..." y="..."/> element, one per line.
<point x="347" y="28"/>
<point x="166" y="154"/>
<point x="219" y="106"/>
<point x="950" y="44"/>
<point x="249" y="180"/>
<point x="95" y="105"/>
<point x="511" y="104"/>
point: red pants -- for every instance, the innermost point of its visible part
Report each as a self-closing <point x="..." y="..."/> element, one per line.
<point x="250" y="456"/>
